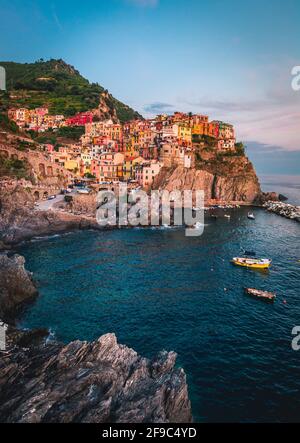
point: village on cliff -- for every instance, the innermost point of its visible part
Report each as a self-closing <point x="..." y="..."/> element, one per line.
<point x="135" y="151"/>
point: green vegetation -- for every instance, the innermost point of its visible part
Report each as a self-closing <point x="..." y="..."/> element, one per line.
<point x="5" y="123"/>
<point x="240" y="148"/>
<point x="198" y="157"/>
<point x="8" y="125"/>
<point x="209" y="142"/>
<point x="14" y="168"/>
<point x="67" y="133"/>
<point x="59" y="86"/>
<point x="71" y="132"/>
<point x="68" y="198"/>
<point x="23" y="145"/>
<point x="89" y="175"/>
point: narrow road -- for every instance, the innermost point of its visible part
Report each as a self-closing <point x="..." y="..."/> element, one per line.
<point x="47" y="205"/>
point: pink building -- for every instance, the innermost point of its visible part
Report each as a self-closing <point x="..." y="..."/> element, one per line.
<point x="80" y="119"/>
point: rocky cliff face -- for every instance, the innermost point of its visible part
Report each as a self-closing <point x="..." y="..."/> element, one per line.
<point x="230" y="179"/>
<point x="16" y="285"/>
<point x="98" y="382"/>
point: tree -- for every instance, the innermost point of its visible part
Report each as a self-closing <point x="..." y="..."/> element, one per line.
<point x="240" y="148"/>
<point x="89" y="175"/>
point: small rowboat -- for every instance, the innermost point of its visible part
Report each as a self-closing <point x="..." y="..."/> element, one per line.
<point x="259" y="263"/>
<point x="263" y="295"/>
<point x="251" y="216"/>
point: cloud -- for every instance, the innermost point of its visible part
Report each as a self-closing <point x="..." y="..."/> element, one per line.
<point x="269" y="159"/>
<point x="55" y="17"/>
<point x="158" y="107"/>
<point x="262" y="148"/>
<point x="272" y="118"/>
<point x="144" y="3"/>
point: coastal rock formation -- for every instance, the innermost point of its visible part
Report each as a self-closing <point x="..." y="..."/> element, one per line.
<point x="16" y="285"/>
<point x="98" y="382"/>
<point x="230" y="179"/>
<point x="284" y="209"/>
<point x="19" y="221"/>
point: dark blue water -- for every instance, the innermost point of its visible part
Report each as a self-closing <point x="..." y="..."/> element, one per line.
<point x="157" y="289"/>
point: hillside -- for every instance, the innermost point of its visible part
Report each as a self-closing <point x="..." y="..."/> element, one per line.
<point x="59" y="86"/>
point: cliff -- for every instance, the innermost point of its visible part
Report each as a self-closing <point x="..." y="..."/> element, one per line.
<point x="98" y="382"/>
<point x="16" y="286"/>
<point x="224" y="178"/>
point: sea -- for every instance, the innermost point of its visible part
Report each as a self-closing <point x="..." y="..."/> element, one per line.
<point x="157" y="289"/>
<point x="287" y="185"/>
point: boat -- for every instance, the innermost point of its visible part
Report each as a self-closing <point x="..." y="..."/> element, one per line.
<point x="252" y="263"/>
<point x="227" y="216"/>
<point x="198" y="225"/>
<point x="263" y="295"/>
<point x="251" y="216"/>
<point x="248" y="252"/>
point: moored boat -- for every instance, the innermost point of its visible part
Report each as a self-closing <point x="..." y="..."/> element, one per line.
<point x="259" y="263"/>
<point x="263" y="295"/>
<point x="251" y="216"/>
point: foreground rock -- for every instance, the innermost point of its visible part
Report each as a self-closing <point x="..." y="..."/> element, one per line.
<point x="95" y="382"/>
<point x="16" y="286"/>
<point x="284" y="209"/>
<point x="98" y="382"/>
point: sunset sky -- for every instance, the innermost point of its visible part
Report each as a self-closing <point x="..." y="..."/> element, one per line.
<point x="231" y="59"/>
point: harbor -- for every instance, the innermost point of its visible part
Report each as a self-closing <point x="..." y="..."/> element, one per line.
<point x="184" y="294"/>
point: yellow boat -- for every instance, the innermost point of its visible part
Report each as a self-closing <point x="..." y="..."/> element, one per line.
<point x="254" y="263"/>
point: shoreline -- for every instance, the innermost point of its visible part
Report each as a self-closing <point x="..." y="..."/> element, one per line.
<point x="61" y="222"/>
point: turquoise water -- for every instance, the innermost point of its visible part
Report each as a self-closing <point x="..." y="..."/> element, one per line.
<point x="157" y="289"/>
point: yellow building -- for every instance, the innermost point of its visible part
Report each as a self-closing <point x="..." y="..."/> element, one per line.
<point x="129" y="165"/>
<point x="185" y="133"/>
<point x="72" y="165"/>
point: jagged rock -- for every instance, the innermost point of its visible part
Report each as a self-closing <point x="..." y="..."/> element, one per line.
<point x="282" y="198"/>
<point x="24" y="338"/>
<point x="16" y="285"/>
<point x="95" y="382"/>
<point x="269" y="196"/>
<point x="284" y="209"/>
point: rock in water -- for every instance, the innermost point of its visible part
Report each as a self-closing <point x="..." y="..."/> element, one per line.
<point x="96" y="382"/>
<point x="16" y="285"/>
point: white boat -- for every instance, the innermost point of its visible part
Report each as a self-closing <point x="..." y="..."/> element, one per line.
<point x="197" y="225"/>
<point x="251" y="216"/>
<point x="227" y="216"/>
